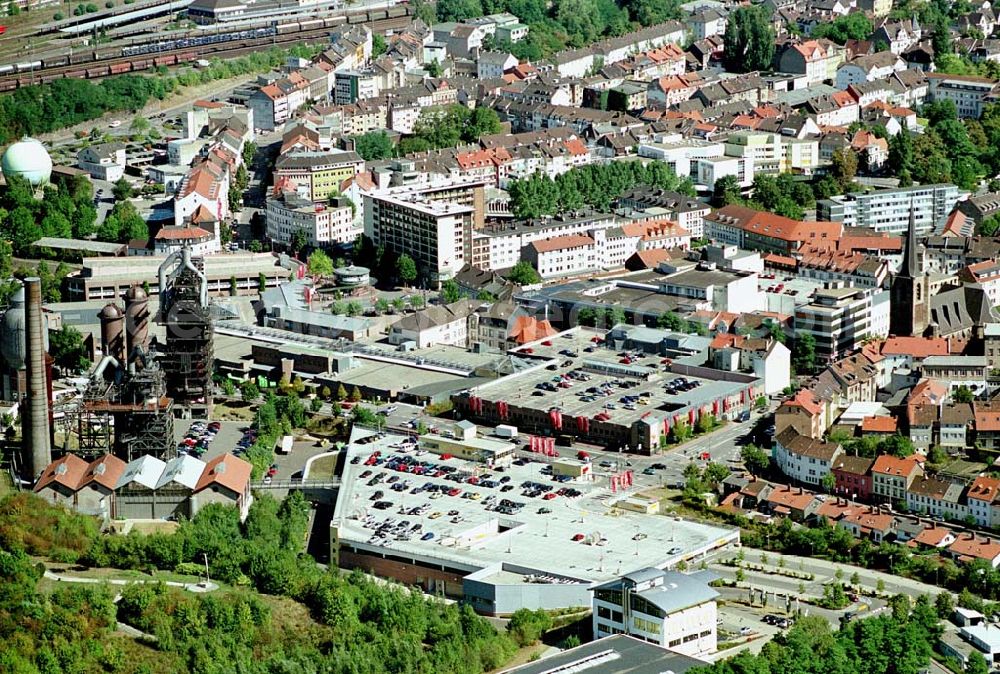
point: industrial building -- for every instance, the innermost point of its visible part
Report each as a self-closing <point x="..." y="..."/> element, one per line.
<point x="146" y="487"/>
<point x="109" y="278"/>
<point x="504" y="550"/>
<point x="125" y="408"/>
<point x="668" y="608"/>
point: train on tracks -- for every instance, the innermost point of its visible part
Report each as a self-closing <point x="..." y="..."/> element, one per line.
<point x="176" y="50"/>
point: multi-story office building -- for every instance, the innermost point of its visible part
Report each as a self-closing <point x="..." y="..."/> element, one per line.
<point x="841" y="320"/>
<point x="323" y="225"/>
<point x="317" y="175"/>
<point x="889" y="210"/>
<point x="968" y="92"/>
<point x="671" y="609"/>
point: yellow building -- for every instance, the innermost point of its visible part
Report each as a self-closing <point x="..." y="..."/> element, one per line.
<point x="318" y="175"/>
<point x="491" y="452"/>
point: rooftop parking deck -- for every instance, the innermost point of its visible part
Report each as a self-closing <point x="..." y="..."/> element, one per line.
<point x="581" y="376"/>
<point x="516" y="517"/>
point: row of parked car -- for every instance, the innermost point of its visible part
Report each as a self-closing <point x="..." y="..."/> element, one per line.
<point x="198" y="438"/>
<point x="249" y="437"/>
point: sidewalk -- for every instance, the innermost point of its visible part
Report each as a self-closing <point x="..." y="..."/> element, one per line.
<point x="190" y="587"/>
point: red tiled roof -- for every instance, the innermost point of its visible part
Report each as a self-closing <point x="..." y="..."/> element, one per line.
<point x="67" y="471"/>
<point x="984" y="488"/>
<point x="227" y="470"/>
<point x="778" y="227"/>
<point x="806" y="400"/>
<point x="105" y="471"/>
<point x="182" y="233"/>
<point x="917" y="347"/>
<point x="890" y="465"/>
<point x="879" y="425"/>
<point x="932" y="536"/>
<point x="791" y="497"/>
<point x="977" y="548"/>
<point x="562" y="243"/>
<point x="529" y="329"/>
<point x="987" y="417"/>
<point x="870" y="519"/>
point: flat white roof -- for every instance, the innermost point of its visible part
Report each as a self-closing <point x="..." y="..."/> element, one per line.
<point x="528" y="539"/>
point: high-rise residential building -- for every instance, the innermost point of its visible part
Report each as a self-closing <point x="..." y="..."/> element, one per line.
<point x="434" y="233"/>
<point x="889" y="210"/>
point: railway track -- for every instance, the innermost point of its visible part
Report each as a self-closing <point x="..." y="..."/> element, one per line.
<point x="106" y="65"/>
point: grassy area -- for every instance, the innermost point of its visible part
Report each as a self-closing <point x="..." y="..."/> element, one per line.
<point x="323" y="467"/>
<point x="233" y="411"/>
<point x="6" y="486"/>
<point x="524" y="656"/>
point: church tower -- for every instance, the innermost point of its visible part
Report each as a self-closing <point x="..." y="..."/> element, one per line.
<point x="908" y="293"/>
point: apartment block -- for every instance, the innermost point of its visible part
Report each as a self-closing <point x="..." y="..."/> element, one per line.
<point x="889" y="210"/>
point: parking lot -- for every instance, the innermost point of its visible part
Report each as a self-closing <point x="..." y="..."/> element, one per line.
<point x="228" y="439"/>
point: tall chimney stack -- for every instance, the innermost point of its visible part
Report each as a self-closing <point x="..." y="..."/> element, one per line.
<point x="37" y="445"/>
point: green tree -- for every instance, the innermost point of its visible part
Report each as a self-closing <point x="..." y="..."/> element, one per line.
<point x="298" y="241"/>
<point x="356" y="395"/>
<point x="976" y="664"/>
<point x="944" y="604"/>
<point x="749" y="40"/>
<point x="680" y="432"/>
<point x="122" y="190"/>
<point x="853" y="26"/>
<point x="989" y="226"/>
<point x="406" y="269"/>
<point x="315" y="405"/>
<point x="374" y="146"/>
<point x="527" y="626"/>
<point x="68" y="350"/>
<point x="756" y="460"/>
<point x="379" y="45"/>
<point x="726" y="191"/>
<point x="457" y="10"/>
<point x="524" y="274"/>
<point x="341" y="392"/>
<point x="249" y="391"/>
<point x="320" y="264"/>
<point x="804" y="353"/>
<point x="963" y="394"/>
<point x="901" y="155"/>
<point x="706" y="422"/>
<point x="450" y="292"/>
<point x="844" y="167"/>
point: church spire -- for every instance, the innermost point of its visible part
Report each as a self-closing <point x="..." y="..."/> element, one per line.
<point x="909" y="267"/>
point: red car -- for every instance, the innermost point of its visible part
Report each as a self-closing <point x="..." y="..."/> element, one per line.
<point x="454" y="492"/>
<point x="578" y="537"/>
<point x="549" y="496"/>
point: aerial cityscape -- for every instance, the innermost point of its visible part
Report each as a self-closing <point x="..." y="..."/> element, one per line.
<point x="500" y="336"/>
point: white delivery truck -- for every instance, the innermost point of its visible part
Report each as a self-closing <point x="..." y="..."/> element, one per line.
<point x="285" y="446"/>
<point x="507" y="432"/>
